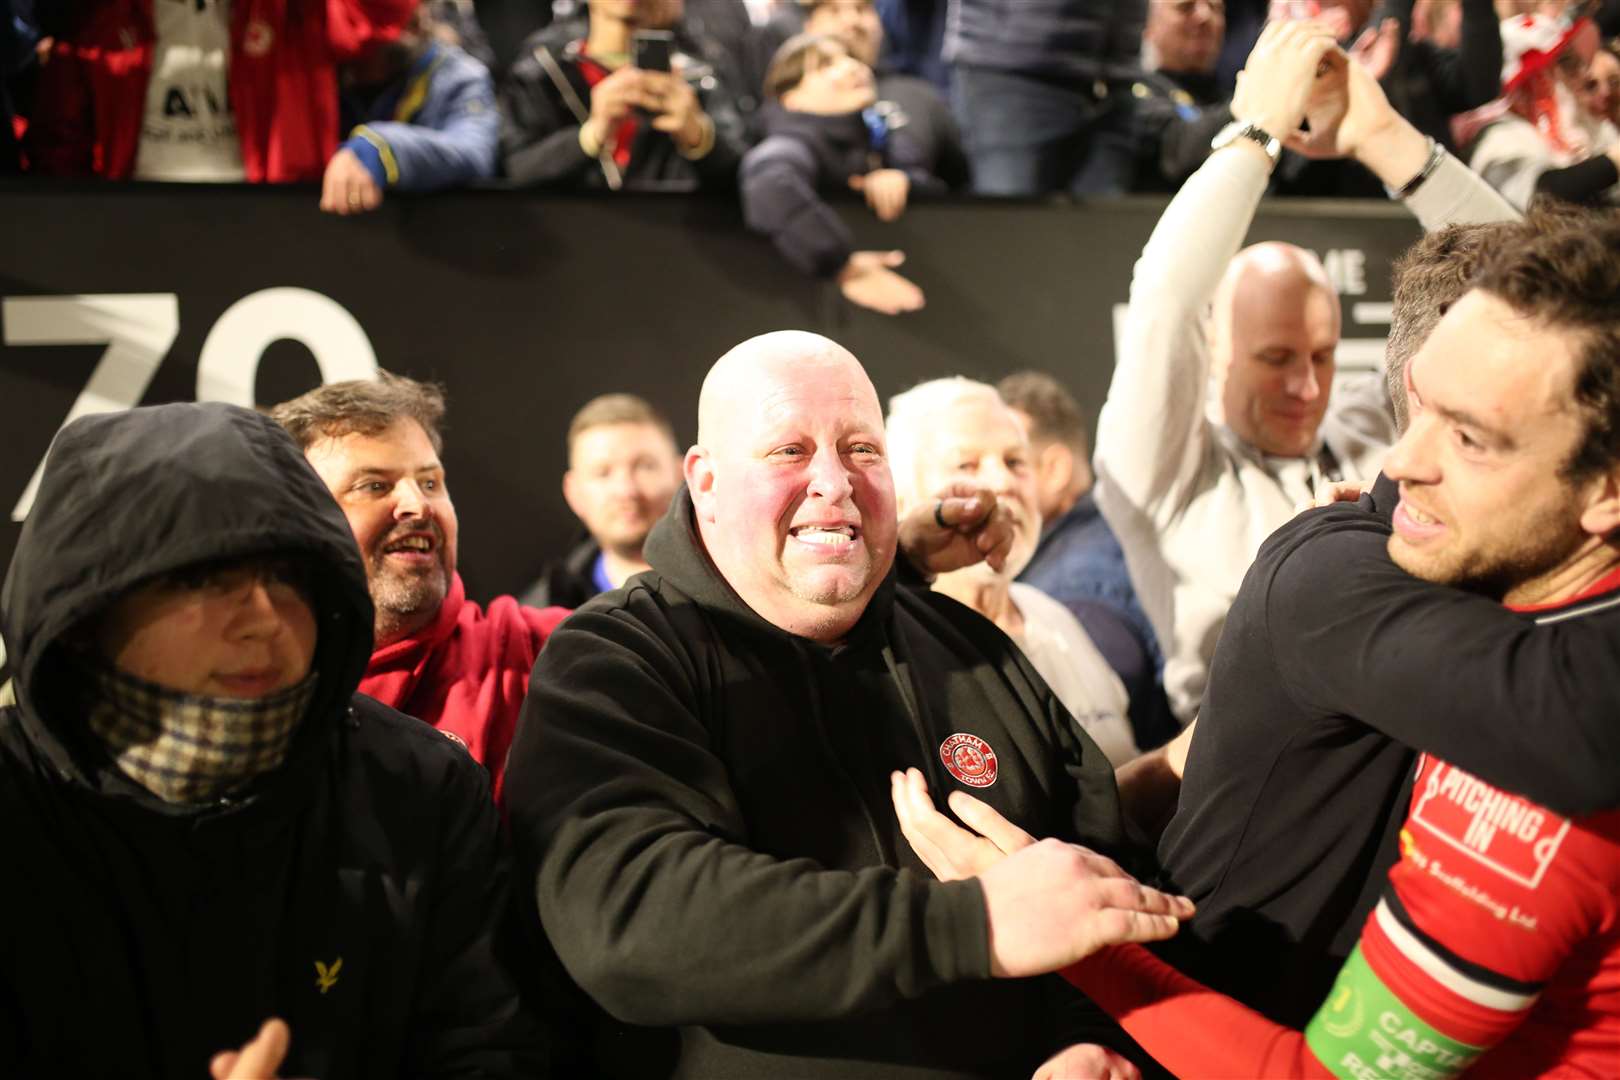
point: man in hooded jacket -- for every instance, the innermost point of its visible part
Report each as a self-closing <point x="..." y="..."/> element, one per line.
<point x="175" y="882"/>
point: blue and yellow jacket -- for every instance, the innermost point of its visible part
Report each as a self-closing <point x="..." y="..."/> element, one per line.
<point x="436" y="127"/>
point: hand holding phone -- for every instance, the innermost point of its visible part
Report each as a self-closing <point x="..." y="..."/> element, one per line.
<point x="650" y="50"/>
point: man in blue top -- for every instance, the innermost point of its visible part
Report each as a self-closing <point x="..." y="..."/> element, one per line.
<point x="420" y="115"/>
<point x="1079" y="562"/>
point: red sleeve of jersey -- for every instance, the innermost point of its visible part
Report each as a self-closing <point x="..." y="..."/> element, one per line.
<point x="1491" y="898"/>
<point x="1188" y="1028"/>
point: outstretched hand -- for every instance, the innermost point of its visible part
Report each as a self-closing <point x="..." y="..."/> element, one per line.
<point x="960" y="526"/>
<point x="869" y="280"/>
<point x="1053" y="904"/>
<point x="946" y="848"/>
<point x="259" y="1059"/>
<point x="1048" y="904"/>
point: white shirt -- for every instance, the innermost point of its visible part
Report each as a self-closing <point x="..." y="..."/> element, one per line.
<point x="1065" y="657"/>
<point x="189" y="132"/>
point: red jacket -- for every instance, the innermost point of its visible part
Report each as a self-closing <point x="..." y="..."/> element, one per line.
<point x="466" y="672"/>
<point x="283" y="86"/>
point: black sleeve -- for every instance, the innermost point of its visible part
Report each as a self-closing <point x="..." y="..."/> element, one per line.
<point x="1582" y="182"/>
<point x="1184" y="143"/>
<point x="1608" y="18"/>
<point x="539" y="136"/>
<point x="779" y="199"/>
<point x="637" y="847"/>
<point x="1526" y="707"/>
<point x="717" y="170"/>
<point x="470" y="1018"/>
<point x="930" y="142"/>
<point x="950" y="154"/>
<point x="1469" y="76"/>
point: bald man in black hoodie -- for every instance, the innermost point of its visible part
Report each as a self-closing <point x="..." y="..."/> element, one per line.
<point x="700" y="784"/>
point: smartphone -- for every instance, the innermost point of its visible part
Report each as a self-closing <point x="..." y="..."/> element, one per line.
<point x="650" y="50"/>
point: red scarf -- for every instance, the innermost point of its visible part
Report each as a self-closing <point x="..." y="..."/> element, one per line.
<point x="466" y="672"/>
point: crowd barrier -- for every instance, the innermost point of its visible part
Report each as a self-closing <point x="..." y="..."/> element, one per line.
<point x="526" y="305"/>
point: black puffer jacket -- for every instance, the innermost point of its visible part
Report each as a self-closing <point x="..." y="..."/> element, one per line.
<point x="138" y="938"/>
<point x="566" y="582"/>
<point x="806" y="154"/>
<point x="703" y="802"/>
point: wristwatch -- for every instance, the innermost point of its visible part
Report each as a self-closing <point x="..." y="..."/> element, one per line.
<point x="1244" y="129"/>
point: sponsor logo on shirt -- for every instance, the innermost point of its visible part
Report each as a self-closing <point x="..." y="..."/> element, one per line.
<point x="969" y="759"/>
<point x="1504" y="833"/>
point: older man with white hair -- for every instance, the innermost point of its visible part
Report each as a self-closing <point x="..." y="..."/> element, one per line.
<point x="700" y="788"/>
<point x="956" y="429"/>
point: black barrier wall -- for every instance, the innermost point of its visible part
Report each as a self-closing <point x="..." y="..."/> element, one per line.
<point x="525" y="306"/>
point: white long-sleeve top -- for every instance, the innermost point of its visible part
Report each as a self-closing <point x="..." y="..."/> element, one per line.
<point x="1189" y="500"/>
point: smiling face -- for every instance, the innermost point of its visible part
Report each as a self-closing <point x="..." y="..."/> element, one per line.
<point x="1484" y="502"/>
<point x="791" y="483"/>
<point x="1276" y="336"/>
<point x="833" y="83"/>
<point x="391" y="488"/>
<point x="233" y="630"/>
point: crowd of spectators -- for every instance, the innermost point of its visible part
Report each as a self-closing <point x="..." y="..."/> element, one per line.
<point x="1308" y="680"/>
<point x="1090" y="97"/>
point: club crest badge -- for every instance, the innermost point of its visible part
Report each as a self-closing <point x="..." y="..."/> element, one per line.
<point x="969" y="759"/>
<point x="258" y="39"/>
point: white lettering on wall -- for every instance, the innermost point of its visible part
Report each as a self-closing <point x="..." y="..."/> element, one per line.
<point x="139" y="328"/>
<point x="229" y="363"/>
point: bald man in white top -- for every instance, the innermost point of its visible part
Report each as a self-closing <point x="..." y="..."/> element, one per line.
<point x="1221" y="418"/>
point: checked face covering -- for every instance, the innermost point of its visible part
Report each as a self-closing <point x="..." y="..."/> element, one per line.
<point x="186" y="748"/>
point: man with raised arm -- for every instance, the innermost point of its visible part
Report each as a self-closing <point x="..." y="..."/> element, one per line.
<point x="1191" y="497"/>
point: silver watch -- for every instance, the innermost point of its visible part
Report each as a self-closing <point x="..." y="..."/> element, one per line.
<point x="1244" y="129"/>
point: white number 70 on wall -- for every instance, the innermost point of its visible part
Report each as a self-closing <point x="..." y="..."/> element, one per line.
<point x="138" y="329"/>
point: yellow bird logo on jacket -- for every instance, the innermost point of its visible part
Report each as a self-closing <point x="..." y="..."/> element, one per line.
<point x="327" y="977"/>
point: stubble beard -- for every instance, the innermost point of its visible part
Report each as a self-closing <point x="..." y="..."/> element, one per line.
<point x="1495" y="570"/>
<point x="405" y="602"/>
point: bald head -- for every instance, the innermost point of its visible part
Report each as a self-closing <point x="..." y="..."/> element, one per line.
<point x="790" y="482"/>
<point x="759" y="368"/>
<point x="1262" y="271"/>
<point x="1274" y="331"/>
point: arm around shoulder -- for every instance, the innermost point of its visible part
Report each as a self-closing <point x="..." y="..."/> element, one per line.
<point x="1447" y="672"/>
